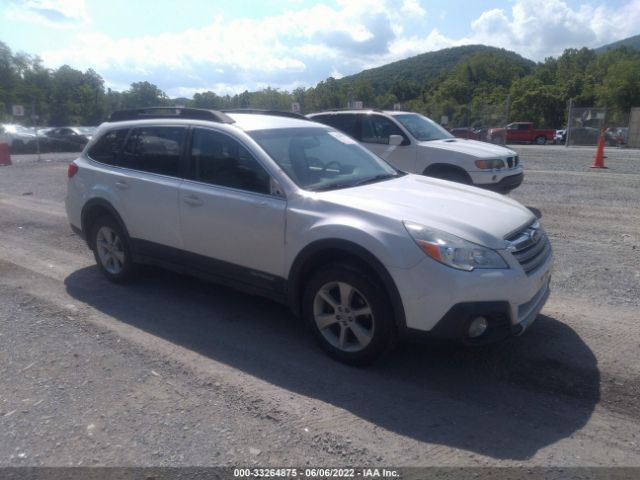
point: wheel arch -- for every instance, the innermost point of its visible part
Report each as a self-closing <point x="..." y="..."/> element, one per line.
<point x="436" y="168"/>
<point x="324" y="251"/>
<point x="95" y="208"/>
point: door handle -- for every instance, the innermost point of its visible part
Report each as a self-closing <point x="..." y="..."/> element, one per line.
<point x="260" y="204"/>
<point x="192" y="200"/>
<point x="122" y="185"/>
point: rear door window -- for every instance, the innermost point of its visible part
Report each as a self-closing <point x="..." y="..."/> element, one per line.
<point x="218" y="159"/>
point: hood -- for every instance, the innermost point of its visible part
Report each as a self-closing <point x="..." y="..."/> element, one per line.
<point x="473" y="214"/>
<point x="473" y="148"/>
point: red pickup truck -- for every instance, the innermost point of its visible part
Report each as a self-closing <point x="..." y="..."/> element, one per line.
<point x="521" y="132"/>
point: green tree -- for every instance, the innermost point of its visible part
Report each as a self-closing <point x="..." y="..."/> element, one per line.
<point x="207" y="100"/>
<point x="143" y="94"/>
<point x="620" y="89"/>
<point x="533" y="101"/>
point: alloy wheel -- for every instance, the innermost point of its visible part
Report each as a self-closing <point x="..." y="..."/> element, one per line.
<point x="343" y="316"/>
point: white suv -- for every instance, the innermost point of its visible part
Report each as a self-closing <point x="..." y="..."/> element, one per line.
<point x="416" y="144"/>
<point x="299" y="212"/>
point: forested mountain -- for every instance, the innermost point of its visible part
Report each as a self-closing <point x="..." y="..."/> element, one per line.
<point x="472" y="85"/>
<point x="631" y="42"/>
<point x="429" y="66"/>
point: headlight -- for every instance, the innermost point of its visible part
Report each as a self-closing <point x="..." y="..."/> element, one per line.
<point x="489" y="164"/>
<point x="453" y="251"/>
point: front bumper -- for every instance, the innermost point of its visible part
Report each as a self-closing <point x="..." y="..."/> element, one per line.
<point x="442" y="302"/>
<point x="498" y="180"/>
<point x="506" y="184"/>
<point x="455" y="324"/>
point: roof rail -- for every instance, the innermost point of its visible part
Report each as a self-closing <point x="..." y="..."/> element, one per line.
<point x="343" y="109"/>
<point x="170" y="112"/>
<point x="260" y="111"/>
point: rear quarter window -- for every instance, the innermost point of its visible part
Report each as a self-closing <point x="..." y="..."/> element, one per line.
<point x="155" y="150"/>
<point x="109" y="148"/>
<point x="346" y="122"/>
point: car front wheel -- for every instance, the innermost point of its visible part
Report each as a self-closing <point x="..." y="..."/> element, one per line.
<point x="349" y="314"/>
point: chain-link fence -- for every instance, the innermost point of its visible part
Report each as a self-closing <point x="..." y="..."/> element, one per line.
<point x="633" y="131"/>
<point x="584" y="125"/>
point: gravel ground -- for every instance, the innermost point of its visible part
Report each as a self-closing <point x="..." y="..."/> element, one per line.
<point x="592" y="216"/>
<point x="174" y="371"/>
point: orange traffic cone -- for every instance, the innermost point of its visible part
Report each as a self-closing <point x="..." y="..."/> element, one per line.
<point x="5" y="155"/>
<point x="598" y="160"/>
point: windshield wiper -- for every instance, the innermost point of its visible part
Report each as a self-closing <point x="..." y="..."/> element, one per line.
<point x="376" y="178"/>
<point x="332" y="186"/>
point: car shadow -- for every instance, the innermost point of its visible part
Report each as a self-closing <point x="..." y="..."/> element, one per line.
<point x="505" y="401"/>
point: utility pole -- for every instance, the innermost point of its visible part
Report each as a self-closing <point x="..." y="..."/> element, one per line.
<point x="34" y="121"/>
<point x="568" y="131"/>
<point x="506" y="110"/>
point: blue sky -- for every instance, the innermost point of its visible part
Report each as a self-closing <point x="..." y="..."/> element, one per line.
<point x="191" y="46"/>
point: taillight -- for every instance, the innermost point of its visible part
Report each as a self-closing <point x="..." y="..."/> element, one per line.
<point x="72" y="170"/>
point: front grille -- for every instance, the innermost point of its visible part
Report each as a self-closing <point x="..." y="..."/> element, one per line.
<point x="512" y="161"/>
<point x="530" y="247"/>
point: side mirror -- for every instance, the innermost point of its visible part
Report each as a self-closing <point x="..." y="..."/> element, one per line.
<point x="275" y="188"/>
<point x="395" y="140"/>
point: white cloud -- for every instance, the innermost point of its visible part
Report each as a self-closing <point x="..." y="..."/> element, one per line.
<point x="531" y="31"/>
<point x="303" y="46"/>
<point x="540" y="32"/>
<point x="412" y="7"/>
<point x="297" y="47"/>
<point x="50" y="13"/>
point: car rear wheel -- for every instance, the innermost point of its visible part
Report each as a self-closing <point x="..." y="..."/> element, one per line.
<point x="111" y="250"/>
<point x="349" y="314"/>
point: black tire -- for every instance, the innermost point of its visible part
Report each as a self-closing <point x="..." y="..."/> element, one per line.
<point x="541" y="140"/>
<point x="376" y="329"/>
<point x="451" y="175"/>
<point x="110" y="242"/>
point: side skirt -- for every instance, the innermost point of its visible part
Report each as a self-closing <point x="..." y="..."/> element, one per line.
<point x="235" y="276"/>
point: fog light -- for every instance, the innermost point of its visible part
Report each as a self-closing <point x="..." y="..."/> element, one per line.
<point x="478" y="327"/>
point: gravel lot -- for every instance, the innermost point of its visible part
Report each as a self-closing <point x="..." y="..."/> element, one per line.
<point x="174" y="371"/>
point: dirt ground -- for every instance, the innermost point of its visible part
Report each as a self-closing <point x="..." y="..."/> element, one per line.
<point x="175" y="371"/>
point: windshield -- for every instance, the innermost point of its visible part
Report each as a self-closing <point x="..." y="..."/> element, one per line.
<point x="322" y="159"/>
<point x="422" y="128"/>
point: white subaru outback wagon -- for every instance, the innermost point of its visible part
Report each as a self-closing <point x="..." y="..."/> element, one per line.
<point x="299" y="212"/>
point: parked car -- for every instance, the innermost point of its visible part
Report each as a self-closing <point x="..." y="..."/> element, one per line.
<point x="560" y="135"/>
<point x="469" y="133"/>
<point x="20" y="139"/>
<point x="617" y="135"/>
<point x="87" y="131"/>
<point x="65" y="139"/>
<point x="522" y="132"/>
<point x="416" y="144"/>
<point x="588" y="136"/>
<point x="299" y="212"/>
